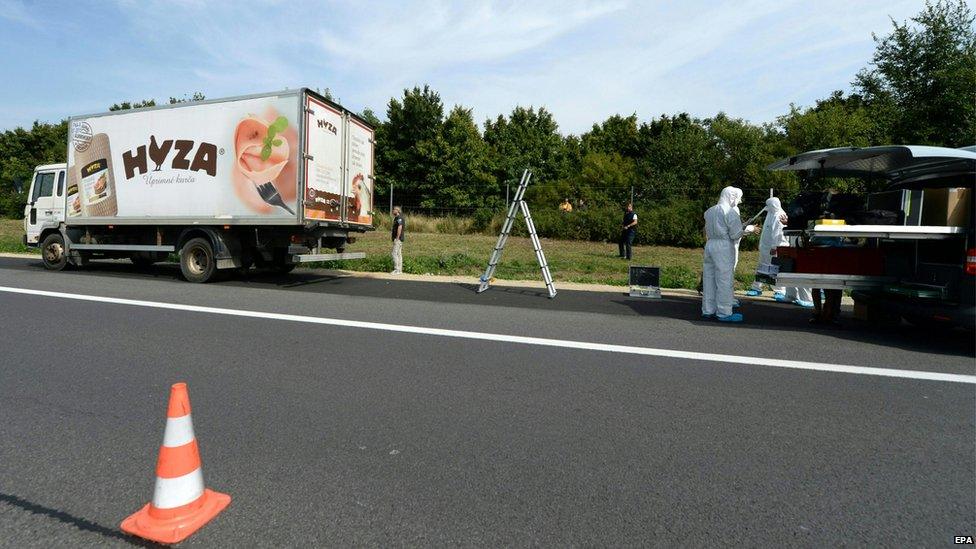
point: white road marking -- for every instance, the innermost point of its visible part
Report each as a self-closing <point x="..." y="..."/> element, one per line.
<point x="562" y="343"/>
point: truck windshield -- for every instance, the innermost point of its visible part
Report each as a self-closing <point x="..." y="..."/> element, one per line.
<point x="43" y="185"/>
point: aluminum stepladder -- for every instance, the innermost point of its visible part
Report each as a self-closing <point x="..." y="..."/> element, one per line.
<point x="518" y="204"/>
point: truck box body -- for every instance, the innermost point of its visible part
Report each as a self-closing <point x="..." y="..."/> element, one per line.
<point x="273" y="159"/>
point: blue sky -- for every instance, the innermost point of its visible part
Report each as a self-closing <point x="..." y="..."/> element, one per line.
<point x="583" y="60"/>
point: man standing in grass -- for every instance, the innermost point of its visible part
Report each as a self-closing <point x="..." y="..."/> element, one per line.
<point x="397" y="237"/>
<point x="628" y="232"/>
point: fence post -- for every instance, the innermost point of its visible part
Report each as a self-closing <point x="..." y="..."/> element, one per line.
<point x="391" y="199"/>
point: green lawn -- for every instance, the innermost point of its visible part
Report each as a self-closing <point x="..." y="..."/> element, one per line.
<point x="11" y="235"/>
<point x="451" y="254"/>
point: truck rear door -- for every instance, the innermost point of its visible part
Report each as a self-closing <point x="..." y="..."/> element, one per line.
<point x="324" y="196"/>
<point x="359" y="173"/>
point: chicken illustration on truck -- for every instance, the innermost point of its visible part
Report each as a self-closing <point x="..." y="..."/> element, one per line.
<point x="271" y="180"/>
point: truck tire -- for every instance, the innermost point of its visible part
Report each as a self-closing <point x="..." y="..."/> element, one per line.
<point x="280" y="263"/>
<point x="53" y="253"/>
<point x="197" y="260"/>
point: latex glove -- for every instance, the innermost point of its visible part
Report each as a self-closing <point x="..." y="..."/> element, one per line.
<point x="750" y="229"/>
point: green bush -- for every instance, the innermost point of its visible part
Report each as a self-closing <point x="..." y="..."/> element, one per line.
<point x="12" y="204"/>
<point x="596" y="224"/>
<point x="672" y="223"/>
<point x="484" y="218"/>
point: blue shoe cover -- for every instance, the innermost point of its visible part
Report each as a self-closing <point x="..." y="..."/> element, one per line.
<point x="778" y="296"/>
<point x="734" y="317"/>
<point x="735" y="303"/>
<point x="782" y="298"/>
<point x="804" y="304"/>
<point x="753" y="293"/>
<point x="708" y="316"/>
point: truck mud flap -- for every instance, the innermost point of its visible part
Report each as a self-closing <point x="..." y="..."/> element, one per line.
<point x="227" y="250"/>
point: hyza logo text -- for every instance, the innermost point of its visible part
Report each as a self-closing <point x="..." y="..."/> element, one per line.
<point x="204" y="158"/>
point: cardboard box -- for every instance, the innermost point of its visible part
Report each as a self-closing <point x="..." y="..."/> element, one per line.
<point x="949" y="207"/>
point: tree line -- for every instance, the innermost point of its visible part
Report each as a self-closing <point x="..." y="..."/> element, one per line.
<point x="918" y="88"/>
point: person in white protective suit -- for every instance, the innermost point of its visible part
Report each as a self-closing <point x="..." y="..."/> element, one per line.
<point x="723" y="229"/>
<point x="770" y="238"/>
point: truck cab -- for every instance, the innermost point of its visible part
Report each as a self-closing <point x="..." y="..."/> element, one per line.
<point x="44" y="211"/>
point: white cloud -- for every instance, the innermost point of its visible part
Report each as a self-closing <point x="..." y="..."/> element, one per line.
<point x="748" y="59"/>
<point x="437" y="34"/>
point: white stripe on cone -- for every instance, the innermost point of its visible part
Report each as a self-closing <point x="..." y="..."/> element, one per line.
<point x="179" y="431"/>
<point x="178" y="491"/>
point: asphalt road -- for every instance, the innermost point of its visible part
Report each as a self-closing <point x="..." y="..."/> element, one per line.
<point x="348" y="435"/>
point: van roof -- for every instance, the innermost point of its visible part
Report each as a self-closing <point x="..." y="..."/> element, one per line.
<point x="891" y="162"/>
<point x="51" y="167"/>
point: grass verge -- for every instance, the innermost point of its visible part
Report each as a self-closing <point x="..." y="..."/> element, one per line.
<point x="11" y="236"/>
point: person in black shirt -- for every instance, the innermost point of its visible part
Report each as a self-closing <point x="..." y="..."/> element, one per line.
<point x="397" y="237"/>
<point x="628" y="232"/>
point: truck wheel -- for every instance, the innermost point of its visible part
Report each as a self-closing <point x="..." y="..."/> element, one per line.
<point x="197" y="260"/>
<point x="280" y="263"/>
<point x="52" y="252"/>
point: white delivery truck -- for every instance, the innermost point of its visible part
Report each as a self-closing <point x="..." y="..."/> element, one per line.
<point x="272" y="179"/>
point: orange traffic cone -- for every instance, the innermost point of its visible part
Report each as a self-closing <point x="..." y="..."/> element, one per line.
<point x="180" y="505"/>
